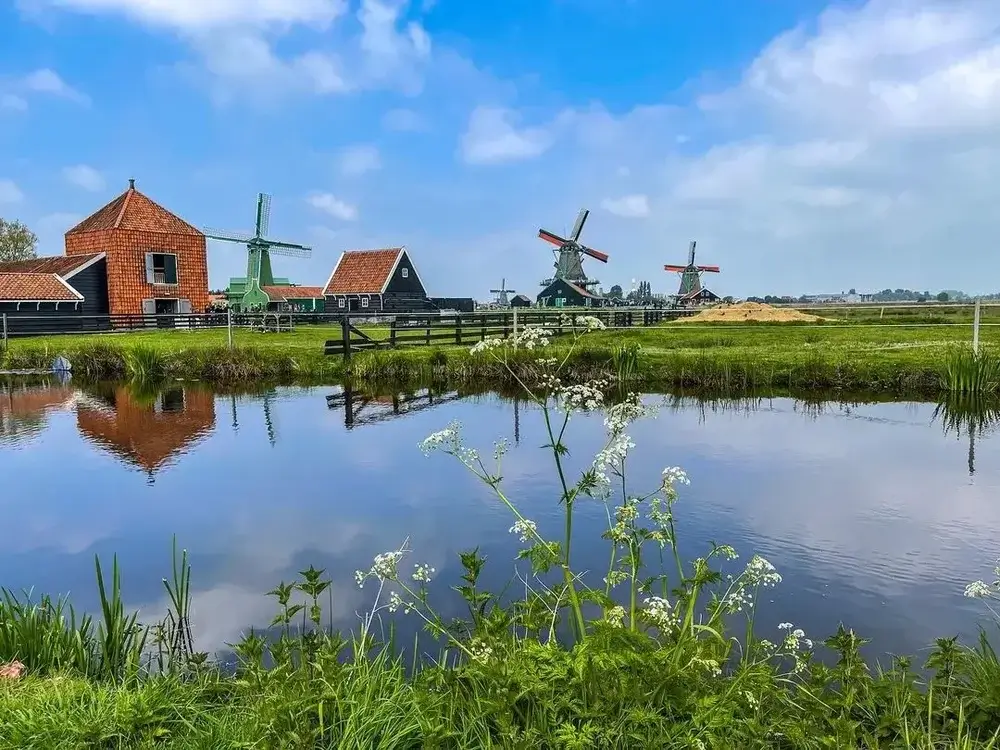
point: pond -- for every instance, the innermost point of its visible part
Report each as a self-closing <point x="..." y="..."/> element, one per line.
<point x="875" y="515"/>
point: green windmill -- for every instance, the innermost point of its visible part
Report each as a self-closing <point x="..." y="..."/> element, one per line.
<point x="249" y="293"/>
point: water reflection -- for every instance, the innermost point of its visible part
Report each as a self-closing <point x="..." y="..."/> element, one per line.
<point x="145" y="430"/>
<point x="867" y="509"/>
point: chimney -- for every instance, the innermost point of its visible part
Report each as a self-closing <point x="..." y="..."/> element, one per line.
<point x="131" y="183"/>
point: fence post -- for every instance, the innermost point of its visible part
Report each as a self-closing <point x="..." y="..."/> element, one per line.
<point x="392" y="333"/>
<point x="881" y="312"/>
<point x="345" y="328"/>
<point x="515" y="322"/>
<point x="458" y="329"/>
<point x="229" y="325"/>
<point x="5" y="333"/>
<point x="975" y="328"/>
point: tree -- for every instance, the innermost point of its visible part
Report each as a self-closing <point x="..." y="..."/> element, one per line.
<point x="616" y="292"/>
<point x="942" y="297"/>
<point x="17" y="242"/>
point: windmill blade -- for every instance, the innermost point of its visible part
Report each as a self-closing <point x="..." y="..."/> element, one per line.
<point x="581" y="219"/>
<point x="227" y="236"/>
<point x="708" y="269"/>
<point x="555" y="239"/>
<point x="288" y="250"/>
<point x="691" y="252"/>
<point x="595" y="254"/>
<point x="263" y="214"/>
<point x="672" y="267"/>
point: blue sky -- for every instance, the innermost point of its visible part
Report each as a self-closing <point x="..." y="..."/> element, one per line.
<point x="807" y="147"/>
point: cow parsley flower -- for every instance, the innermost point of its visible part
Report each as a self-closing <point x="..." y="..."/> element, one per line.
<point x="978" y="590"/>
<point x="422" y="573"/>
<point x="524" y="528"/>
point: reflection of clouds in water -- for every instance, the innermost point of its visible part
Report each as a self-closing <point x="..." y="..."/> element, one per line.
<point x="861" y="506"/>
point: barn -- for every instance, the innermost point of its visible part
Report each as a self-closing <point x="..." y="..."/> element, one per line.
<point x="697" y="297"/>
<point x="383" y="281"/>
<point x="131" y="257"/>
<point x="520" y="300"/>
<point x="563" y="293"/>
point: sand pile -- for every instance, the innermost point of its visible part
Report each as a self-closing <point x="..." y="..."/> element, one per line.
<point x="753" y="312"/>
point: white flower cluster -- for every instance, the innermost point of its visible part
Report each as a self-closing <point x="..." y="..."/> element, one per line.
<point x="674" y="475"/>
<point x="616" y="616"/>
<point x="524" y="528"/>
<point x="422" y="573"/>
<point x="396" y="603"/>
<point x="589" y="322"/>
<point x="618" y="417"/>
<point x="759" y="572"/>
<point x="795" y="638"/>
<point x="582" y="397"/>
<point x="449" y="440"/>
<point x="660" y="613"/>
<point x="528" y="338"/>
<point x="981" y="589"/>
<point x="479" y="650"/>
<point x="384" y="567"/>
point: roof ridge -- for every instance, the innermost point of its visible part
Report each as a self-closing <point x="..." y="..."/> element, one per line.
<point x="121" y="212"/>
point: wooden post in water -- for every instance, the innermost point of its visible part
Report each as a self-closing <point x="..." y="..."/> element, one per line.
<point x="975" y="328"/>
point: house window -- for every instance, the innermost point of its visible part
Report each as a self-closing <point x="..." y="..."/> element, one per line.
<point x="161" y="268"/>
<point x="406" y="273"/>
<point x="341" y="302"/>
<point x="364" y="302"/>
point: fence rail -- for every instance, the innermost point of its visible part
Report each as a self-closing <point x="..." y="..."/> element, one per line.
<point x="469" y="328"/>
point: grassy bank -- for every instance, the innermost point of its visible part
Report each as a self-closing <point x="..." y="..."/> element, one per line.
<point x="890" y="359"/>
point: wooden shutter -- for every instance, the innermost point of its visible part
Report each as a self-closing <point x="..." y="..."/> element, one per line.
<point x="149" y="273"/>
<point x="149" y="305"/>
<point x="170" y="269"/>
<point x="184" y="306"/>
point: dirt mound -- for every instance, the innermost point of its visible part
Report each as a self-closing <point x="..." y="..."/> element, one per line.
<point x="752" y="312"/>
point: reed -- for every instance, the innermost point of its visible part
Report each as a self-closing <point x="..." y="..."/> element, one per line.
<point x="969" y="371"/>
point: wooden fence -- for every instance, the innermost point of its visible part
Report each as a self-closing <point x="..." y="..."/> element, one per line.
<point x="469" y="328"/>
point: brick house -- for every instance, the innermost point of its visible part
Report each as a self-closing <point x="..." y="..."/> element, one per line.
<point x="157" y="263"/>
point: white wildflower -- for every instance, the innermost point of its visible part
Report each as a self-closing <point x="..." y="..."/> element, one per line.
<point x="759" y="572"/>
<point x="590" y="323"/>
<point x="488" y="344"/>
<point x="619" y="416"/>
<point x="978" y="590"/>
<point x="582" y="397"/>
<point x="751" y="700"/>
<point x="736" y="600"/>
<point x="795" y="638"/>
<point x="726" y="551"/>
<point x="359" y="578"/>
<point x="449" y="440"/>
<point x="395" y="602"/>
<point x="384" y="565"/>
<point x="616" y="578"/>
<point x="500" y="448"/>
<point x="524" y="528"/>
<point x="616" y="616"/>
<point x="674" y="475"/>
<point x="422" y="573"/>
<point x="613" y="455"/>
<point x="479" y="650"/>
<point x="659" y="611"/>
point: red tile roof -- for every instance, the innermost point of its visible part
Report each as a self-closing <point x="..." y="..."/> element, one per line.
<point x="60" y="264"/>
<point x="36" y="287"/>
<point x="133" y="210"/>
<point x="283" y="293"/>
<point x="363" y="271"/>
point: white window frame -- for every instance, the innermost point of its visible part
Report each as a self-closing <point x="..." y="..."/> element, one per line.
<point x="364" y="302"/>
<point x="405" y="272"/>
<point x="341" y="302"/>
<point x="151" y="271"/>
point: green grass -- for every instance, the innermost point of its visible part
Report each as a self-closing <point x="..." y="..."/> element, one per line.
<point x="888" y="359"/>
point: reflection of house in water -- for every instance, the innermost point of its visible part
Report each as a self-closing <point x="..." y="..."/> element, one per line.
<point x="361" y="409"/>
<point x="25" y="407"/>
<point x="146" y="433"/>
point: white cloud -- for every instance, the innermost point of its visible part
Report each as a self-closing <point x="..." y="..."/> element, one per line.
<point x="492" y="137"/>
<point x="333" y="206"/>
<point x="14" y="102"/>
<point x="628" y="206"/>
<point x="403" y="120"/>
<point x="199" y="15"/>
<point x="84" y="177"/>
<point x="10" y="192"/>
<point x="360" y="159"/>
<point x="47" y="81"/>
<point x="236" y="42"/>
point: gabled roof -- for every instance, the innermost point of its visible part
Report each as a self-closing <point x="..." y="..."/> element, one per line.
<point x="364" y="271"/>
<point x="285" y="293"/>
<point x="64" y="265"/>
<point x="583" y="292"/>
<point x="36" y="287"/>
<point x="133" y="210"/>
